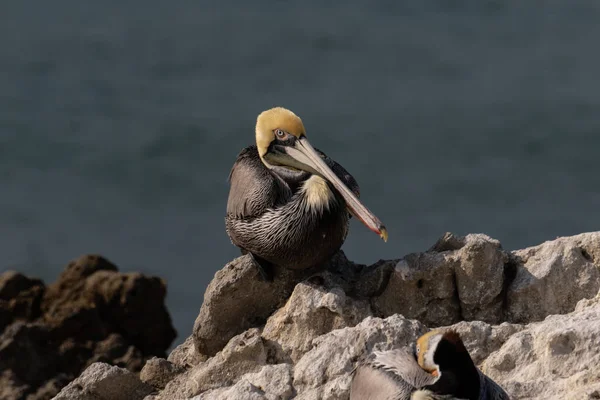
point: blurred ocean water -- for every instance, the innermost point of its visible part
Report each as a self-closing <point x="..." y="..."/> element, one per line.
<point x="119" y="123"/>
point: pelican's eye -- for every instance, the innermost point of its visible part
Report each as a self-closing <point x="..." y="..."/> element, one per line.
<point x="280" y="134"/>
<point x="418" y="349"/>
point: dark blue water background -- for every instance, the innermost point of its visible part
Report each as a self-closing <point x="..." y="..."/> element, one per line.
<point x="120" y="120"/>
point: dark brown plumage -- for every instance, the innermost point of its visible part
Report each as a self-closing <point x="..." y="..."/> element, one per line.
<point x="289" y="204"/>
<point x="268" y="215"/>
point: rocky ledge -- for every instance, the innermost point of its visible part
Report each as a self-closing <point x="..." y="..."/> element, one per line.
<point x="92" y="313"/>
<point x="530" y="319"/>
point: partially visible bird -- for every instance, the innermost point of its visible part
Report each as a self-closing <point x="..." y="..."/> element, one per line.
<point x="389" y="375"/>
<point x="289" y="204"/>
<point x="440" y="367"/>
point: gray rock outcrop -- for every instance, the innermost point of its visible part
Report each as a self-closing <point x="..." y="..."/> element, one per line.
<point x="459" y="278"/>
<point x="556" y="358"/>
<point x="530" y="319"/>
<point x="238" y="299"/>
<point x="552" y="277"/>
<point x="310" y="312"/>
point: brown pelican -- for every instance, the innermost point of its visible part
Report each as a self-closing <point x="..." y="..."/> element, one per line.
<point x="439" y="367"/>
<point x="289" y="203"/>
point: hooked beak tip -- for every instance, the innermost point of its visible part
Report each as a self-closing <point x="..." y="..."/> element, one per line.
<point x="383" y="234"/>
<point x="376" y="227"/>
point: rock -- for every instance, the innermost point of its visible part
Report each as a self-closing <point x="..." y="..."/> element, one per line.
<point x="23" y="347"/>
<point x="115" y="350"/>
<point x="91" y="313"/>
<point x="20" y="298"/>
<point x="324" y="372"/>
<point x="185" y="354"/>
<point x="242" y="390"/>
<point x="421" y="287"/>
<point x="482" y="339"/>
<point x="553" y="359"/>
<point x="306" y="346"/>
<point x="552" y="277"/>
<point x="130" y="304"/>
<point x="588" y="303"/>
<point x="245" y="353"/>
<point x="372" y="280"/>
<point x="302" y="335"/>
<point x="461" y="283"/>
<point x="235" y="300"/>
<point x="158" y="372"/>
<point x="480" y="271"/>
<point x="272" y="382"/>
<point x="459" y="278"/>
<point x="104" y="382"/>
<point x="311" y="311"/>
<point x="238" y="298"/>
<point x="11" y="387"/>
<point x="13" y="283"/>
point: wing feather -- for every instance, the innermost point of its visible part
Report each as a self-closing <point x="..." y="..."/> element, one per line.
<point x="402" y="363"/>
<point x="253" y="188"/>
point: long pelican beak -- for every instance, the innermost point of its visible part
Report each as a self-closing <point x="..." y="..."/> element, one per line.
<point x="304" y="157"/>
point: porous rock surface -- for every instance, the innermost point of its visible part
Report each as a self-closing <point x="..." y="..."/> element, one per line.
<point x="530" y="319"/>
<point x="49" y="334"/>
<point x="238" y="299"/>
<point x="105" y="382"/>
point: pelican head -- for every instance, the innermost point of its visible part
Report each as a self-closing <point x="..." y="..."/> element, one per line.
<point x="276" y="124"/>
<point x="437" y="347"/>
<point x="281" y="142"/>
<point x="425" y="351"/>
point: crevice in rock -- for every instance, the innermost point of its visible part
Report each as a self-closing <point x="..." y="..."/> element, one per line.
<point x="586" y="255"/>
<point x="275" y="353"/>
<point x="456" y="297"/>
<point x="510" y="273"/>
